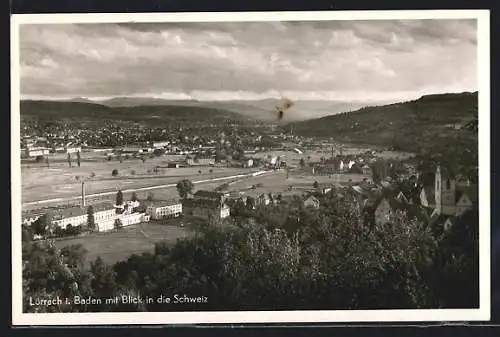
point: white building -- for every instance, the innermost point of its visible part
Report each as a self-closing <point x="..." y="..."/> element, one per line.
<point x="105" y="216"/>
<point x="164" y="209"/>
<point x="160" y="144"/>
<point x="73" y="149"/>
<point x="36" y="151"/>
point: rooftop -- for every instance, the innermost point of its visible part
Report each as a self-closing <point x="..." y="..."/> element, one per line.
<point x="162" y="203"/>
<point x="201" y="203"/>
<point x="208" y="194"/>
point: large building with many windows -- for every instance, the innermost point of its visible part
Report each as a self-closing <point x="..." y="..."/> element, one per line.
<point x="164" y="209"/>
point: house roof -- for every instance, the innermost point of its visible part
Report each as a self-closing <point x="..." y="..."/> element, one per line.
<point x="70" y="212"/>
<point x="162" y="203"/>
<point x="208" y="194"/>
<point x="411" y="210"/>
<point x="470" y="191"/>
<point x="429" y="193"/>
<point x="191" y="203"/>
<point x="312" y="198"/>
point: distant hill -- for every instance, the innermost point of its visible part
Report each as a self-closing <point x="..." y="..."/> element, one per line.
<point x="264" y="109"/>
<point x="149" y="114"/>
<point x="408" y="125"/>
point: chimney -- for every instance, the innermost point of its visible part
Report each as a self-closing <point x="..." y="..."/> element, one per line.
<point x="83" y="194"/>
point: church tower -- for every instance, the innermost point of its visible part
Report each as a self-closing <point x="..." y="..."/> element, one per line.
<point x="444" y="191"/>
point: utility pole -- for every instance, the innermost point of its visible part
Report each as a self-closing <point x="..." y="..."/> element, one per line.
<point x="83" y="194"/>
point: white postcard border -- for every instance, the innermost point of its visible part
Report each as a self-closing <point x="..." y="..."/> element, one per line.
<point x="424" y="315"/>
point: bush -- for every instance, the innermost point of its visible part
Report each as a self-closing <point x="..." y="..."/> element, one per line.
<point x="109" y="158"/>
<point x="114" y="173"/>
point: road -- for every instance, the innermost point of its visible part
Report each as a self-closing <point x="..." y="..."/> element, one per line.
<point x="57" y="200"/>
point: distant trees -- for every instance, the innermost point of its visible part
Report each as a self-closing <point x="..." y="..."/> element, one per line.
<point x="118" y="224"/>
<point x="90" y="219"/>
<point x="43" y="226"/>
<point x="184" y="188"/>
<point x="114" y="173"/>
<point x="133" y="197"/>
<point x="158" y="152"/>
<point x="119" y="198"/>
<point x="250" y="202"/>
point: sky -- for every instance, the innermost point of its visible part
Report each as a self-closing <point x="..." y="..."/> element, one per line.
<point x="317" y="60"/>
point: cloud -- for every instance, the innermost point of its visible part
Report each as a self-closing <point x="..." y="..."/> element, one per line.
<point x="350" y="58"/>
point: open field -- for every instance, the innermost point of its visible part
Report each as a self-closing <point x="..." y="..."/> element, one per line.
<point x="119" y="245"/>
<point x="278" y="183"/>
<point x="293" y="158"/>
<point x="59" y="181"/>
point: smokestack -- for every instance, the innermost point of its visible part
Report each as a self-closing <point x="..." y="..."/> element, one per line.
<point x="83" y="194"/>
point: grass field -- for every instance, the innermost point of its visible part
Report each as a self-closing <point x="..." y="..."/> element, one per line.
<point x="134" y="239"/>
<point x="277" y="182"/>
<point x="60" y="181"/>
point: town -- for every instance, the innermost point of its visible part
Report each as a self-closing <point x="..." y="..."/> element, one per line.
<point x="219" y="162"/>
<point x="267" y="173"/>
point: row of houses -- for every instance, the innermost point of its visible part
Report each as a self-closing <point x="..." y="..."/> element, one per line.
<point x="105" y="216"/>
<point x="438" y="205"/>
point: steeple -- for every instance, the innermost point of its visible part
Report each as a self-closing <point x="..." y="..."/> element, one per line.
<point x="444" y="191"/>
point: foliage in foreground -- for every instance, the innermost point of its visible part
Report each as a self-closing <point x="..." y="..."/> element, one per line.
<point x="275" y="258"/>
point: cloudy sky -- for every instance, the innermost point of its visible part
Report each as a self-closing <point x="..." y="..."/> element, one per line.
<point x="331" y="60"/>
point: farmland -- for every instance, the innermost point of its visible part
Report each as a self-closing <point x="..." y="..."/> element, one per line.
<point x="60" y="181"/>
<point x="119" y="245"/>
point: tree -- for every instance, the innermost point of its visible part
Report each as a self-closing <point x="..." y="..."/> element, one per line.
<point x="211" y="171"/>
<point x="119" y="198"/>
<point x="118" y="224"/>
<point x="199" y="172"/>
<point x="133" y="197"/>
<point x="78" y="158"/>
<point x="69" y="159"/>
<point x="27" y="233"/>
<point x="114" y="173"/>
<point x="91" y="225"/>
<point x="150" y="197"/>
<point x="315" y="184"/>
<point x="184" y="188"/>
<point x="302" y="163"/>
<point x="250" y="203"/>
<point x="103" y="281"/>
<point x="43" y="226"/>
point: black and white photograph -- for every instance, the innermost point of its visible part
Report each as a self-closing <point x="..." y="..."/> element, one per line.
<point x="250" y="167"/>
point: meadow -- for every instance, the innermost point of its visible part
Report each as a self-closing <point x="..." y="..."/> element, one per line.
<point x="118" y="245"/>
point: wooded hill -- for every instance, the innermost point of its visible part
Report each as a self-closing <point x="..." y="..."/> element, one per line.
<point x="409" y="126"/>
<point x="152" y="115"/>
